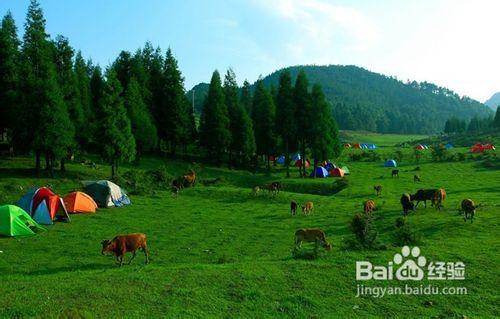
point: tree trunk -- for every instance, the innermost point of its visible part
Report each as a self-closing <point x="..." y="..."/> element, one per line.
<point x="303" y="173"/>
<point x="314" y="169"/>
<point x="37" y="161"/>
<point x="287" y="160"/>
<point x="268" y="164"/>
<point x="63" y="167"/>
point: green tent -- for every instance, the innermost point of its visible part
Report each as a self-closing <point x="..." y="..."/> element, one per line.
<point x="14" y="221"/>
<point x="346" y="170"/>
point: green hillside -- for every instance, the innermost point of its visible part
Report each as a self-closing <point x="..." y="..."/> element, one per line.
<point x="364" y="100"/>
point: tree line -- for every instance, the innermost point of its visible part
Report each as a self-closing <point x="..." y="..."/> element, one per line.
<point x="54" y="103"/>
<point x="475" y="125"/>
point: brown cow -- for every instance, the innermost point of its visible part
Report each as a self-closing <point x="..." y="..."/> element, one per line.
<point x="122" y="244"/>
<point x="395" y="172"/>
<point x="314" y="235"/>
<point x="406" y="203"/>
<point x="439" y="198"/>
<point x="271" y="188"/>
<point x="293" y="207"/>
<point x="468" y="207"/>
<point x="308" y="208"/>
<point x="369" y="206"/>
<point x="423" y="195"/>
<point x="190" y="178"/>
<point x="416" y="178"/>
<point x="378" y="189"/>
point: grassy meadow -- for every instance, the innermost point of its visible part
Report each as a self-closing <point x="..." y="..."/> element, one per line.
<point x="217" y="251"/>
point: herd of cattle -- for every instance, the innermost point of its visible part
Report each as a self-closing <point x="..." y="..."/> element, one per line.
<point x="122" y="244"/>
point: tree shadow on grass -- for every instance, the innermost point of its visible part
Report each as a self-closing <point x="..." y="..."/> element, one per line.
<point x="70" y="268"/>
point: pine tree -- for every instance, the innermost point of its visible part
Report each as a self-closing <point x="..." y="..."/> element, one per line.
<point x="66" y="78"/>
<point x="496" y="121"/>
<point x="303" y="113"/>
<point x="285" y="117"/>
<point x="215" y="135"/>
<point x="325" y="142"/>
<point x="50" y="130"/>
<point x="142" y="125"/>
<point x="264" y="112"/>
<point x="9" y="72"/>
<point x="84" y="125"/>
<point x="175" y="110"/>
<point x="242" y="137"/>
<point x="246" y="97"/>
<point x="117" y="133"/>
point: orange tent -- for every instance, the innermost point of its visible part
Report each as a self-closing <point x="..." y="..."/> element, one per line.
<point x="357" y="145"/>
<point x="298" y="163"/>
<point x="78" y="202"/>
<point x="337" y="172"/>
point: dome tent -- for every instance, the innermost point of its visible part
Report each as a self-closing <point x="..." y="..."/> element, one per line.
<point x="43" y="205"/>
<point x="337" y="172"/>
<point x="346" y="170"/>
<point x="106" y="193"/>
<point x="281" y="160"/>
<point x="14" y="221"/>
<point x="298" y="163"/>
<point x="78" y="202"/>
<point x="296" y="157"/>
<point x="390" y="163"/>
<point x="319" y="172"/>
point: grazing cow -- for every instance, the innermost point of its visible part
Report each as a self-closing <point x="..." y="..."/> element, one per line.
<point x="395" y="172"/>
<point x="416" y="178"/>
<point x="406" y="203"/>
<point x="423" y="195"/>
<point x="122" y="244"/>
<point x="255" y="191"/>
<point x="313" y="235"/>
<point x="468" y="207"/>
<point x="293" y="207"/>
<point x="378" y="189"/>
<point x="277" y="185"/>
<point x="308" y="208"/>
<point x="271" y="188"/>
<point x="369" y="206"/>
<point x="438" y="198"/>
<point x="189" y="179"/>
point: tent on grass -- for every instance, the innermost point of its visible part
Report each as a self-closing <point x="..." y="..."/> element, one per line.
<point x="357" y="145"/>
<point x="337" y="172"/>
<point x="346" y="170"/>
<point x="390" y="163"/>
<point x="319" y="172"/>
<point x="106" y="193"/>
<point x="329" y="166"/>
<point x="421" y="147"/>
<point x="347" y="145"/>
<point x="43" y="205"/>
<point x="296" y="157"/>
<point x="371" y="146"/>
<point x="14" y="221"/>
<point x="281" y="160"/>
<point x="298" y="163"/>
<point x="78" y="202"/>
<point x="448" y="146"/>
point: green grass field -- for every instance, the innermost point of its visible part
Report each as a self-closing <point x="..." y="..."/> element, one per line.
<point x="217" y="251"/>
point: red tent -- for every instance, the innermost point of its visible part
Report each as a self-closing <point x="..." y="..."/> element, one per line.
<point x="347" y="145"/>
<point x="479" y="148"/>
<point x="357" y="145"/>
<point x="337" y="172"/>
<point x="298" y="163"/>
<point x="489" y="147"/>
<point x="43" y="193"/>
<point x="54" y="203"/>
<point x="420" y="147"/>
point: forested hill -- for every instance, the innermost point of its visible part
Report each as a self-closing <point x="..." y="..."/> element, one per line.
<point x="364" y="100"/>
<point x="493" y="101"/>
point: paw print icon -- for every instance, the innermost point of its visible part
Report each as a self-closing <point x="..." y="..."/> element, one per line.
<point x="411" y="264"/>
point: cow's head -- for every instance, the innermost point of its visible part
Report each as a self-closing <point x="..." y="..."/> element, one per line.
<point x="327" y="245"/>
<point x="107" y="246"/>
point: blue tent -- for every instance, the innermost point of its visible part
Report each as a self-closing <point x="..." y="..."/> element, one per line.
<point x="371" y="146"/>
<point x="281" y="160"/>
<point x="390" y="163"/>
<point x="364" y="146"/>
<point x="320" y="172"/>
<point x="296" y="157"/>
<point x="27" y="200"/>
<point x="449" y="145"/>
<point x="42" y="215"/>
<point x="329" y="166"/>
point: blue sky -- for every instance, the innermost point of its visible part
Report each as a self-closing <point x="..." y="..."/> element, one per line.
<point x="452" y="43"/>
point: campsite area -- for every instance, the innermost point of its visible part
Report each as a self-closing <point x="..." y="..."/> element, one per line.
<point x="215" y="248"/>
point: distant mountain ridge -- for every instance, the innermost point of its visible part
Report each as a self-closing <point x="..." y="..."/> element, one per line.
<point x="494" y="101"/>
<point x="365" y="100"/>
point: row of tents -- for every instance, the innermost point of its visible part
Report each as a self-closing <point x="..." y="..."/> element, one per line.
<point x="368" y="146"/>
<point x="330" y="169"/>
<point x="480" y="148"/>
<point x="41" y="206"/>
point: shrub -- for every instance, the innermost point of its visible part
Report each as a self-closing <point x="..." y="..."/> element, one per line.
<point x="404" y="233"/>
<point x="160" y="177"/>
<point x="365" y="233"/>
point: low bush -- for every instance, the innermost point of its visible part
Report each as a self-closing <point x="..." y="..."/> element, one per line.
<point x="404" y="233"/>
<point x="365" y="233"/>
